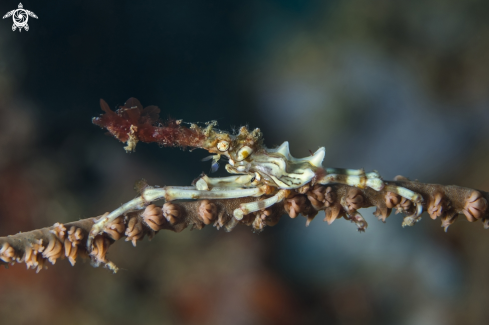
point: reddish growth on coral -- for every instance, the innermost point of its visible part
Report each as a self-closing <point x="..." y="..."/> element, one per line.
<point x="132" y="123"/>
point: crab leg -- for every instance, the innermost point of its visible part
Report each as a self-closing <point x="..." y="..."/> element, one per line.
<point x="352" y="172"/>
<point x="360" y="181"/>
<point x="373" y="181"/>
<point x="416" y="198"/>
<point x="359" y="220"/>
<point x="246" y="208"/>
<point x="354" y="216"/>
<point x="170" y="193"/>
<point x="346" y="171"/>
<point x="205" y="182"/>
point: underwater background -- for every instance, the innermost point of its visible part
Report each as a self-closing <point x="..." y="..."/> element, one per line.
<point x="400" y="87"/>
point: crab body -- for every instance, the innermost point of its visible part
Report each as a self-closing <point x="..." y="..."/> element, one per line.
<point x="277" y="168"/>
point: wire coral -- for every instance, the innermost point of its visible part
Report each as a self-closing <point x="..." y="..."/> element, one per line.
<point x="270" y="184"/>
<point x="36" y="248"/>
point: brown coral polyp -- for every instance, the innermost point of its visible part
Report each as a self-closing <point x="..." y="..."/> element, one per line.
<point x="134" y="230"/>
<point x="260" y="216"/>
<point x="207" y="211"/>
<point x="116" y="228"/>
<point x="321" y="196"/>
<point x="354" y="199"/>
<point x="405" y="206"/>
<point x="33" y="257"/>
<point x="71" y="251"/>
<point x="392" y="199"/>
<point x="53" y="250"/>
<point x="153" y="217"/>
<point x="75" y="235"/>
<point x="333" y="212"/>
<point x="7" y="253"/>
<point x="437" y="206"/>
<point x="59" y="230"/>
<point x="475" y="206"/>
<point x="171" y="212"/>
<point x="100" y="246"/>
<point x="295" y="205"/>
<point x="448" y="220"/>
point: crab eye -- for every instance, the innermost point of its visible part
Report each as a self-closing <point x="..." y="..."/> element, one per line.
<point x="243" y="153"/>
<point x="223" y="145"/>
<point x="257" y="176"/>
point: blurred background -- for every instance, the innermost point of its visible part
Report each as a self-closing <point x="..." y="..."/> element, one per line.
<point x="396" y="86"/>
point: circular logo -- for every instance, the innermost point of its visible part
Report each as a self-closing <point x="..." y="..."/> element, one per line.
<point x="20" y="18"/>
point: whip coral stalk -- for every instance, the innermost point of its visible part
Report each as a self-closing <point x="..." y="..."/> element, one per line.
<point x="268" y="183"/>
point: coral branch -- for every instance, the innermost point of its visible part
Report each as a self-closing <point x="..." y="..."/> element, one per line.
<point x="37" y="247"/>
<point x="131" y="124"/>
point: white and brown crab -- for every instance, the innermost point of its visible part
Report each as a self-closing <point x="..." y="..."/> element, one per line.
<point x="258" y="171"/>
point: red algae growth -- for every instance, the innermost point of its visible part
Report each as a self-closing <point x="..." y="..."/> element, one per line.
<point x="132" y="123"/>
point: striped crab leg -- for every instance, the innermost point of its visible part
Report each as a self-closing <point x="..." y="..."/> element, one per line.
<point x="360" y="179"/>
<point x="246" y="208"/>
<point x="170" y="193"/>
<point x="205" y="182"/>
<point x="352" y="177"/>
<point x="416" y="198"/>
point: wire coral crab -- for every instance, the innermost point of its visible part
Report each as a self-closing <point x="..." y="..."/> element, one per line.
<point x="265" y="184"/>
<point x="273" y="175"/>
